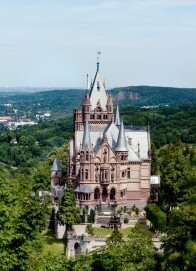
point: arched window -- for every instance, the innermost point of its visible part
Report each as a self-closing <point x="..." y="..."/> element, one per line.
<point x="82" y="174"/>
<point x="128" y="173"/>
<point x="96" y="193"/>
<point x="86" y="174"/>
<point x="123" y="174"/>
<point x="112" y="194"/>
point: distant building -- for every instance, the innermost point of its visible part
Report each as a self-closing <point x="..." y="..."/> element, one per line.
<point x="13" y="141"/>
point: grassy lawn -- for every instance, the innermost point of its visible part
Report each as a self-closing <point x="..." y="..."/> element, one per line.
<point x="125" y="232"/>
<point x="52" y="244"/>
<point x="105" y="231"/>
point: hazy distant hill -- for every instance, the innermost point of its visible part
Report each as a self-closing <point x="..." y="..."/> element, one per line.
<point x="145" y="95"/>
<point x="63" y="101"/>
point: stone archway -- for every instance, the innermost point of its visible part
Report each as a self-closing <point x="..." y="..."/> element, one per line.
<point x="112" y="194"/>
<point x="77" y="249"/>
<point x="96" y="194"/>
<point x="104" y="194"/>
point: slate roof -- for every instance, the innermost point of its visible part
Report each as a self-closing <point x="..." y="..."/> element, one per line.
<point x="56" y="165"/>
<point x="121" y="142"/>
<point x="112" y="132"/>
<point x="117" y="118"/>
<point x="86" y="136"/>
<point x="98" y="94"/>
<point x="86" y="189"/>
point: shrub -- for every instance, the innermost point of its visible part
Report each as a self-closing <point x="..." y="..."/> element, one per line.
<point x="104" y="226"/>
<point x="89" y="229"/>
<point x="126" y="220"/>
<point x="156" y="216"/>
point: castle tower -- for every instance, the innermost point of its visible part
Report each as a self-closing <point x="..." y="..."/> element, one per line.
<point x="56" y="172"/>
<point x="121" y="146"/>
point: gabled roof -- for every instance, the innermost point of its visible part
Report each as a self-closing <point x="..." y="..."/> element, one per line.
<point x="56" y="164"/>
<point x="98" y="92"/>
<point x="86" y="189"/>
<point x="77" y="190"/>
<point x="121" y="142"/>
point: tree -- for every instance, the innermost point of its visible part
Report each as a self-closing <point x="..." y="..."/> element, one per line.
<point x="115" y="237"/>
<point x="137" y="253"/>
<point x="180" y="243"/>
<point x="68" y="212"/>
<point x="22" y="219"/>
<point x="177" y="175"/>
<point x="156" y="216"/>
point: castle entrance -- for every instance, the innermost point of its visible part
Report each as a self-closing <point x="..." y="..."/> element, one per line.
<point x="77" y="249"/>
<point x="104" y="195"/>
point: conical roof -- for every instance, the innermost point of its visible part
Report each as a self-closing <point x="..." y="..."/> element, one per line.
<point x="117" y="119"/>
<point x="86" y="136"/>
<point x="86" y="100"/>
<point x="56" y="165"/>
<point x="110" y="100"/>
<point x="121" y="142"/>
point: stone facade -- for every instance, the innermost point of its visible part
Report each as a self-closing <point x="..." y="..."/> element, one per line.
<point x="107" y="161"/>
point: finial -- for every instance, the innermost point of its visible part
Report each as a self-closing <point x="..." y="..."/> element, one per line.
<point x="87" y="82"/>
<point x="98" y="54"/>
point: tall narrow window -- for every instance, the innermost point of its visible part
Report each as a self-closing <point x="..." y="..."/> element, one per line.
<point x="87" y="156"/>
<point x="82" y="174"/>
<point x="86" y="174"/>
<point x="128" y="173"/>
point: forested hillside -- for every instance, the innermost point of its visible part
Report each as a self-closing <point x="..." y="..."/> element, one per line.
<point x="153" y="96"/>
<point x="61" y="102"/>
<point x="35" y="142"/>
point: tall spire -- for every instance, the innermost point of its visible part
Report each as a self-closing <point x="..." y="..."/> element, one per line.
<point x="117" y="119"/>
<point x="98" y="90"/>
<point x="86" y="136"/>
<point x="121" y="142"/>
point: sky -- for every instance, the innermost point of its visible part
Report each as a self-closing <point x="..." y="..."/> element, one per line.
<point x="54" y="43"/>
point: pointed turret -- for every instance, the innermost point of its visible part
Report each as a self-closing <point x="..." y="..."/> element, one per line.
<point x="121" y="142"/>
<point x="86" y="100"/>
<point x="56" y="165"/>
<point x="117" y="118"/>
<point x="86" y="136"/>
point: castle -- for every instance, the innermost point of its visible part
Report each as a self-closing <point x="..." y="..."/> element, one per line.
<point x="107" y="161"/>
